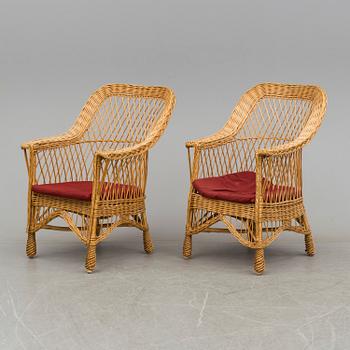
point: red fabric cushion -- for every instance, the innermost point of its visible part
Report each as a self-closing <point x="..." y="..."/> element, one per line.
<point x="239" y="187"/>
<point x="82" y="190"/>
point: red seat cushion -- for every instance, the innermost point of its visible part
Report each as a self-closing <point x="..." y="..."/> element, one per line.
<point x="239" y="187"/>
<point x="82" y="190"/>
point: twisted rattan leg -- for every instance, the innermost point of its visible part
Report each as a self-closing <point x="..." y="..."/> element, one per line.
<point x="259" y="262"/>
<point x="31" y="245"/>
<point x="90" y="263"/>
<point x="309" y="245"/>
<point x="147" y="238"/>
<point x="147" y="242"/>
<point x="187" y="248"/>
<point x="309" y="242"/>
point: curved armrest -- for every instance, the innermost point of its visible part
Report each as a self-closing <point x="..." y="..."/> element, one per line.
<point x="125" y="152"/>
<point x="51" y="142"/>
<point x="64" y="139"/>
<point x="219" y="138"/>
<point x="285" y="148"/>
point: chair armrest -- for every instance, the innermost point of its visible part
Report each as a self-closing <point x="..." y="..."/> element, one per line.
<point x="124" y="152"/>
<point x="286" y="148"/>
<point x="219" y="138"/>
<point x="65" y="139"/>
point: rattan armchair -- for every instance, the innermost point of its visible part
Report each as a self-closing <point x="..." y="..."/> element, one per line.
<point x="248" y="175"/>
<point x="94" y="175"/>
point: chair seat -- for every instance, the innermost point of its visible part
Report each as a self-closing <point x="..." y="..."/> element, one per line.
<point x="239" y="187"/>
<point x="82" y="190"/>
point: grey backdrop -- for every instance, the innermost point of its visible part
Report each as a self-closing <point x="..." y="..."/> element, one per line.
<point x="55" y="53"/>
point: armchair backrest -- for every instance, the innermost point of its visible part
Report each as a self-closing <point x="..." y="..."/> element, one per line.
<point x="114" y="117"/>
<point x="277" y="113"/>
<point x="119" y="115"/>
<point x="272" y="114"/>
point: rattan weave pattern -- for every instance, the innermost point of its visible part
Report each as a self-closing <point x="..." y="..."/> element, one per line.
<point x="265" y="133"/>
<point x="108" y="143"/>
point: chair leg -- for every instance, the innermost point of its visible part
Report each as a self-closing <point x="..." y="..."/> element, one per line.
<point x="147" y="242"/>
<point x="309" y="245"/>
<point x="90" y="263"/>
<point x="31" y="245"/>
<point x="147" y="237"/>
<point x="187" y="248"/>
<point x="259" y="261"/>
<point x="31" y="238"/>
<point x="309" y="242"/>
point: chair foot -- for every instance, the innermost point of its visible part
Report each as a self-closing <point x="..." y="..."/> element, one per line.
<point x="90" y="262"/>
<point x="259" y="261"/>
<point x="31" y="245"/>
<point x="309" y="245"/>
<point x="187" y="248"/>
<point x="147" y="242"/>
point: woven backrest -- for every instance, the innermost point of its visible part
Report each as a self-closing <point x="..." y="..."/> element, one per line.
<point x="115" y="116"/>
<point x="275" y="113"/>
<point x="121" y="115"/>
<point x="270" y="114"/>
<point x="266" y="116"/>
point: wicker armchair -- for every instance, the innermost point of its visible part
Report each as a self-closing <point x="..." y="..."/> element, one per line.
<point x="248" y="175"/>
<point x="94" y="175"/>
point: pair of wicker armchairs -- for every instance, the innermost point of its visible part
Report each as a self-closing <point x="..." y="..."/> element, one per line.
<point x="247" y="176"/>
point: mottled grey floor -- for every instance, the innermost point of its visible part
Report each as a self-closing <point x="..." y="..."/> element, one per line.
<point x="135" y="301"/>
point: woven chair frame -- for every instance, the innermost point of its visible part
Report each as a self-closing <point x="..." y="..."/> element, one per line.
<point x="108" y="143"/>
<point x="266" y="134"/>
